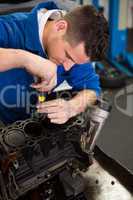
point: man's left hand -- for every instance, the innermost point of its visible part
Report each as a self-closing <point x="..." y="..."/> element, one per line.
<point x="58" y="111"/>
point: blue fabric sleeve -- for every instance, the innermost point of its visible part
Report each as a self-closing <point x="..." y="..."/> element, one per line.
<point x="3" y="35"/>
<point x="61" y="74"/>
<point x="83" y="76"/>
<point x="10" y="33"/>
<point x="48" y="5"/>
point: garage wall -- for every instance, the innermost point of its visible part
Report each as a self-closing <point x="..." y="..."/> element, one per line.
<point x="105" y="4"/>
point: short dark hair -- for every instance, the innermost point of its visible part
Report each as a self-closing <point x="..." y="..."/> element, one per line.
<point x="86" y="24"/>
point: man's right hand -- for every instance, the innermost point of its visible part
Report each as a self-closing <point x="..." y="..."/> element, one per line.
<point x="45" y="86"/>
<point x="43" y="68"/>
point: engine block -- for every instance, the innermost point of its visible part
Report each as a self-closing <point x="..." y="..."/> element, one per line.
<point x="33" y="151"/>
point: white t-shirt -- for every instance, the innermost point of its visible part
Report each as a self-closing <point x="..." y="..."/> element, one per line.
<point x="43" y="15"/>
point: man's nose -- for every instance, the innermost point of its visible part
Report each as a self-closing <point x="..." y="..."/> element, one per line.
<point x="68" y="64"/>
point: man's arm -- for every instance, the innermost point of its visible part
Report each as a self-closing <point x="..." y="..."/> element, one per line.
<point x="13" y="58"/>
<point x="36" y="65"/>
<point x="60" y="111"/>
<point x="83" y="99"/>
<point x="81" y="77"/>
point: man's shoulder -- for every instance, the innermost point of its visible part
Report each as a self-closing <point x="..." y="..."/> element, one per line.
<point x="82" y="68"/>
<point x="49" y="5"/>
<point x="23" y="15"/>
<point x="14" y="16"/>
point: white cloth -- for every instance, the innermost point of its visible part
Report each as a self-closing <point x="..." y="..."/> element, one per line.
<point x="43" y="15"/>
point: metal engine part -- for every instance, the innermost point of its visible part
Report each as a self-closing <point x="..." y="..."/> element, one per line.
<point x="34" y="151"/>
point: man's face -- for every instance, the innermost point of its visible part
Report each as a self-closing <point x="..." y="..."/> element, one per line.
<point x="60" y="51"/>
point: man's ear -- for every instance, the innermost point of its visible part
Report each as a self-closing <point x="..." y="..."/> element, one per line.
<point x="61" y="26"/>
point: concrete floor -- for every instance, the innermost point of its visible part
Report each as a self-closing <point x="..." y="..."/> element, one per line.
<point x="117" y="135"/>
<point x="116" y="138"/>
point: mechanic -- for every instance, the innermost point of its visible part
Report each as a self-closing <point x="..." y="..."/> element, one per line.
<point x="67" y="40"/>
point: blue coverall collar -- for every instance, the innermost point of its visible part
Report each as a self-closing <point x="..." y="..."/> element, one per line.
<point x="32" y="34"/>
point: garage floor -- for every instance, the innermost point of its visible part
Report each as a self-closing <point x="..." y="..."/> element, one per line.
<point x="116" y="138"/>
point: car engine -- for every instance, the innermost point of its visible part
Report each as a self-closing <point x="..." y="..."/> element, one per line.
<point x="33" y="152"/>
